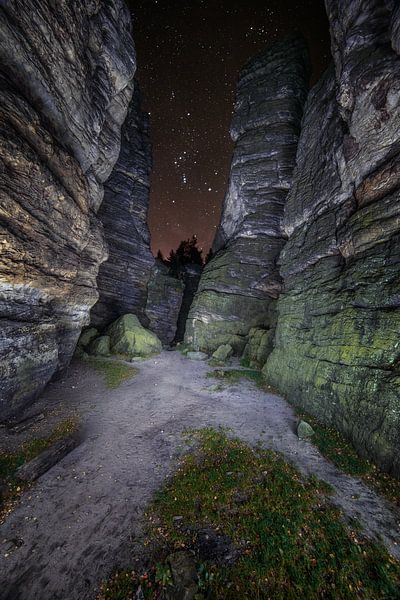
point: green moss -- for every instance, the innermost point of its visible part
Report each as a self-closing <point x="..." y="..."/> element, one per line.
<point x="337" y="449"/>
<point x="11" y="461"/>
<point x="233" y="376"/>
<point x="114" y="372"/>
<point x="291" y="542"/>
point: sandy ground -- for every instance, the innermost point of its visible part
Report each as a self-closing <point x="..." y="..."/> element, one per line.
<point x="84" y="516"/>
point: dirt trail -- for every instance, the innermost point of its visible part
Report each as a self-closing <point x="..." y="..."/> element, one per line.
<point x="84" y="516"/>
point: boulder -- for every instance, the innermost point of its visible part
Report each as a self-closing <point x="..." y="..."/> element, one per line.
<point x="223" y="352"/>
<point x="100" y="346"/>
<point x="129" y="338"/>
<point x="87" y="336"/>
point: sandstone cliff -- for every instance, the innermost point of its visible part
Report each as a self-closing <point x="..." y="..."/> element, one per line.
<point x="123" y="278"/>
<point x="66" y="72"/>
<point x="164" y="300"/>
<point x="337" y="343"/>
<point x="239" y="285"/>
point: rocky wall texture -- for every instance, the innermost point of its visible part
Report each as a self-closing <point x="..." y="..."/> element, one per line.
<point x="66" y="79"/>
<point x="164" y="300"/>
<point x="238" y="283"/>
<point x="123" y="278"/>
<point x="337" y="343"/>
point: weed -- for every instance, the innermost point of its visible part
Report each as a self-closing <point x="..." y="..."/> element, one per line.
<point x="113" y="371"/>
<point x="290" y="541"/>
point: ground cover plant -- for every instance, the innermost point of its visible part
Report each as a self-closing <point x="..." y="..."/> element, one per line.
<point x="273" y="533"/>
<point x="113" y="371"/>
<point x="12" y="487"/>
<point x="328" y="440"/>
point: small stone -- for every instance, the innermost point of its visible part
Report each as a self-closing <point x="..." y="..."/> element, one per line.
<point x="177" y="519"/>
<point x="304" y="430"/>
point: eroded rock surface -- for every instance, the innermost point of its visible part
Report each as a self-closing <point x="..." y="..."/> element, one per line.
<point x="238" y="284"/>
<point x="123" y="278"/>
<point x="66" y="78"/>
<point x="337" y="343"/>
<point x="164" y="300"/>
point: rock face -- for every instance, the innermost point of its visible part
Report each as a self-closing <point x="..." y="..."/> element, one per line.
<point x="337" y="342"/>
<point x="240" y="283"/>
<point x="123" y="278"/>
<point x="66" y="71"/>
<point x="164" y="300"/>
<point x="190" y="275"/>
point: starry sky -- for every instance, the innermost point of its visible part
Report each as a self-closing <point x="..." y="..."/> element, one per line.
<point x="189" y="58"/>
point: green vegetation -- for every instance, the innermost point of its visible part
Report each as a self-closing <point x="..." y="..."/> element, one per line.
<point x="233" y="376"/>
<point x="11" y="461"/>
<point x="113" y="371"/>
<point x="289" y="541"/>
<point x="328" y="440"/>
<point x="338" y="450"/>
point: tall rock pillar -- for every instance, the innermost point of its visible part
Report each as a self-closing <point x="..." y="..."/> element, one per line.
<point x="239" y="286"/>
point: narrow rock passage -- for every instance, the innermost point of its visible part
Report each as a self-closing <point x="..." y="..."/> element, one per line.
<point x="84" y="516"/>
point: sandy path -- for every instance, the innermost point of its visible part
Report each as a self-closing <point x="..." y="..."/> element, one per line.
<point x="84" y="516"/>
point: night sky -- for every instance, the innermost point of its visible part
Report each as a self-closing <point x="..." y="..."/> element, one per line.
<point x="189" y="58"/>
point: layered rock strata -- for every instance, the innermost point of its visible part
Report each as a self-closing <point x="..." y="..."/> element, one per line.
<point x="123" y="278"/>
<point x="337" y="343"/>
<point x="190" y="276"/>
<point x="239" y="283"/>
<point x="66" y="79"/>
<point x="164" y="300"/>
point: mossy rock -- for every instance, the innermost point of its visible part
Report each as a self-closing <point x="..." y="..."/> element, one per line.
<point x="87" y="337"/>
<point x="129" y="338"/>
<point x="259" y="346"/>
<point x="223" y="352"/>
<point x="100" y="346"/>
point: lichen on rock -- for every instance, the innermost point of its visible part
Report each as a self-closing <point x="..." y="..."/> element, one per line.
<point x="337" y="340"/>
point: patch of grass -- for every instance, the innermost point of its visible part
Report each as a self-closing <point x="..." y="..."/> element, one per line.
<point x="291" y="542"/>
<point x="232" y="376"/>
<point x="11" y="461"/>
<point x="338" y="450"/>
<point x="245" y="362"/>
<point x="114" y="372"/>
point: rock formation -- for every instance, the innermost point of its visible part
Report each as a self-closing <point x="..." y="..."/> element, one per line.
<point x="164" y="300"/>
<point x="66" y="72"/>
<point x="123" y="278"/>
<point x="337" y="342"/>
<point x="239" y="285"/>
<point x="190" y="275"/>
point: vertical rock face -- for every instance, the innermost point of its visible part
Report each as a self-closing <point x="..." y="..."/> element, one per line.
<point x="123" y="278"/>
<point x="337" y="343"/>
<point x="164" y="300"/>
<point x="66" y="78"/>
<point x="190" y="277"/>
<point x="240" y="283"/>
